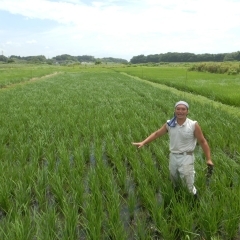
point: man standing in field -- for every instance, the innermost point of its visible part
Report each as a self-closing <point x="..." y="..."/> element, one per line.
<point x="183" y="134"/>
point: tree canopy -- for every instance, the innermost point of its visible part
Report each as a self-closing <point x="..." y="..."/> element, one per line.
<point x="64" y="58"/>
<point x="186" y="57"/>
<point x="152" y="58"/>
<point x="3" y="58"/>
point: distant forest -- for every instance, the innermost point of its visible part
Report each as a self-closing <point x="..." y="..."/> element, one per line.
<point x="61" y="59"/>
<point x="186" y="57"/>
<point x="153" y="58"/>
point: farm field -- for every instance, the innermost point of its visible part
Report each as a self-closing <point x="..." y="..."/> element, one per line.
<point x="69" y="171"/>
<point x="14" y="74"/>
<point x="218" y="87"/>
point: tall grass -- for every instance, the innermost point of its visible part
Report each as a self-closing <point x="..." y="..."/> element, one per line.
<point x="231" y="68"/>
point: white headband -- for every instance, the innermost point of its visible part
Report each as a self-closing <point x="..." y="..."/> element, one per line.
<point x="182" y="102"/>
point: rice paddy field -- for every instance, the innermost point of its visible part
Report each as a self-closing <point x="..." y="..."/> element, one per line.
<point x="69" y="171"/>
<point x="218" y="87"/>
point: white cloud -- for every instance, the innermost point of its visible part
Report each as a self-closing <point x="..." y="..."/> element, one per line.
<point x="160" y="16"/>
<point x="134" y="27"/>
<point x="31" y="41"/>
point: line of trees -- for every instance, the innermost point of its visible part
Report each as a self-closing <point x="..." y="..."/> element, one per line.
<point x="186" y="57"/>
<point x="153" y="58"/>
<point x="64" y="58"/>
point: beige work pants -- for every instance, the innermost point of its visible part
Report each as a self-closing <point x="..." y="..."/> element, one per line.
<point x="182" y="166"/>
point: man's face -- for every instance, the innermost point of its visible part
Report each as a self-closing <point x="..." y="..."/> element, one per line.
<point x="181" y="111"/>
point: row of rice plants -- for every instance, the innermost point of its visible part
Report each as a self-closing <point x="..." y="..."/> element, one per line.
<point x="69" y="169"/>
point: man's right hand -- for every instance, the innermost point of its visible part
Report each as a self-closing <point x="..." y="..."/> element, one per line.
<point x="138" y="144"/>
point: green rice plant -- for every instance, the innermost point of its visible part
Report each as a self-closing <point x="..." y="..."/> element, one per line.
<point x="47" y="224"/>
<point x="70" y="223"/>
<point x="40" y="187"/>
<point x="57" y="189"/>
<point x="114" y="227"/>
<point x="159" y="225"/>
<point x="131" y="202"/>
<point x="150" y="171"/>
<point x="117" y="163"/>
<point x="230" y="225"/>
<point x="22" y="197"/>
<point x="185" y="219"/>
<point x="77" y="181"/>
<point x="19" y="228"/>
<point x="166" y="228"/>
<point x="9" y="176"/>
<point x="146" y="194"/>
<point x="210" y="217"/>
<point x="93" y="214"/>
<point x="93" y="222"/>
<point x="4" y="205"/>
<point x="143" y="231"/>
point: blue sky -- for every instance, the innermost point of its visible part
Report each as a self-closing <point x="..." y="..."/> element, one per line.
<point x="118" y="28"/>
